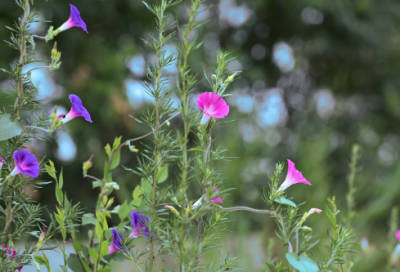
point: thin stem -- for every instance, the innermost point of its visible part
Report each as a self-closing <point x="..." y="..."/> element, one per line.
<point x="138" y="138"/>
<point x="36" y="68"/>
<point x="65" y="258"/>
<point x="21" y="58"/>
<point x="89" y="176"/>
<point x="297" y="241"/>
<point x="39" y="37"/>
<point x="38" y="128"/>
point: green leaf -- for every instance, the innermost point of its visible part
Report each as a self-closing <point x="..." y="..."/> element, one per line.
<point x="74" y="264"/>
<point x="97" y="183"/>
<point x="115" y="160"/>
<point x="61" y="180"/>
<point x="104" y="248"/>
<point x="51" y="170"/>
<point x="284" y="201"/>
<point x="135" y="203"/>
<point x="59" y="195"/>
<point x="137" y="192"/>
<point x="162" y="174"/>
<point x="93" y="254"/>
<point x="46" y="262"/>
<point x="99" y="231"/>
<point x="331" y="217"/>
<point x="77" y="246"/>
<point x="64" y="268"/>
<point x="104" y="270"/>
<point x="195" y="149"/>
<point x="108" y="150"/>
<point x="88" y="218"/>
<point x="146" y="187"/>
<point x="123" y="211"/>
<point x="117" y="142"/>
<point x="37" y="261"/>
<point x="302" y="263"/>
<point x="9" y="129"/>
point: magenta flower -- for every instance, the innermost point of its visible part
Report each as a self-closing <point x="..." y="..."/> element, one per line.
<point x="212" y="105"/>
<point x="216" y="199"/>
<point x="397" y="235"/>
<point x="116" y="243"/>
<point x="26" y="164"/>
<point x="1" y="162"/>
<point x="139" y="221"/>
<point x="74" y="20"/>
<point x="293" y="176"/>
<point x="77" y="110"/>
<point x="12" y="255"/>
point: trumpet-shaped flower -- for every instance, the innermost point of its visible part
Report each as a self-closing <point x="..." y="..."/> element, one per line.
<point x="26" y="164"/>
<point x="138" y="222"/>
<point x="293" y="176"/>
<point x="74" y="20"/>
<point x="77" y="110"/>
<point x="116" y="243"/>
<point x="314" y="210"/>
<point x="212" y="105"/>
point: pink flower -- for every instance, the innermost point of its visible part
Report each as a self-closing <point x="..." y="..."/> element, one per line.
<point x="212" y="105"/>
<point x="314" y="210"/>
<point x="293" y="176"/>
<point x="74" y="20"/>
<point x="26" y="164"/>
<point x="397" y="235"/>
<point x="12" y="255"/>
<point x="1" y="163"/>
<point x="77" y="110"/>
<point x="216" y="199"/>
<point x="117" y="243"/>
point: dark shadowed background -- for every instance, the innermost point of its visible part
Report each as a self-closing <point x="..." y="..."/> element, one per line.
<point x="318" y="77"/>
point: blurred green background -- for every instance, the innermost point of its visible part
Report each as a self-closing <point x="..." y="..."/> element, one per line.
<point x="318" y="77"/>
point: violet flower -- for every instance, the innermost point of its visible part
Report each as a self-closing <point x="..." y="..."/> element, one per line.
<point x="397" y="235"/>
<point x="26" y="164"/>
<point x="12" y="255"/>
<point x="293" y="176"/>
<point x="77" y="110"/>
<point x="138" y="222"/>
<point x="116" y="243"/>
<point x="74" y="20"/>
<point x="212" y="105"/>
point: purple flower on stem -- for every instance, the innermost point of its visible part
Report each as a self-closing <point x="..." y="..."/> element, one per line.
<point x="74" y="20"/>
<point x="26" y="164"/>
<point x="12" y="255"/>
<point x="212" y="105"/>
<point x="1" y="163"/>
<point x="293" y="176"/>
<point x="397" y="235"/>
<point x="138" y="222"/>
<point x="116" y="243"/>
<point x="77" y="110"/>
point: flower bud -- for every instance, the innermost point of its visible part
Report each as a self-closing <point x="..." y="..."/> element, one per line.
<point x="54" y="51"/>
<point x="87" y="165"/>
<point x="173" y="210"/>
<point x="54" y="114"/>
<point x="314" y="210"/>
<point x="1" y="163"/>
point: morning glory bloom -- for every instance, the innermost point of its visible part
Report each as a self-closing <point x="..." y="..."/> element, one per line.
<point x="212" y="105"/>
<point x="77" y="110"/>
<point x="116" y="243"/>
<point x="74" y="20"/>
<point x="138" y="222"/>
<point x="26" y="164"/>
<point x="293" y="176"/>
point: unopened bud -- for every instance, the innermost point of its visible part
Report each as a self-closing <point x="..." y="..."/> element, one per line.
<point x="189" y="209"/>
<point x="87" y="165"/>
<point x="231" y="77"/>
<point x="54" y="114"/>
<point x="43" y="234"/>
<point x="172" y="209"/>
<point x="54" y="51"/>
<point x="1" y="163"/>
<point x="314" y="210"/>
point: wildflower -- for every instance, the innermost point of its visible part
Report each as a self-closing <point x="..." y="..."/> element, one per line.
<point x="116" y="243"/>
<point x="293" y="176"/>
<point x="1" y="163"/>
<point x="41" y="237"/>
<point x="397" y="235"/>
<point x="212" y="105"/>
<point x="216" y="199"/>
<point x="74" y="20"/>
<point x="77" y="110"/>
<point x="138" y="222"/>
<point x="314" y="210"/>
<point x="88" y="164"/>
<point x="12" y="255"/>
<point x="26" y="164"/>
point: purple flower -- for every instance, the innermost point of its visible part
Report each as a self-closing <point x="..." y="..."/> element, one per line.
<point x="1" y="162"/>
<point x="26" y="164"/>
<point x="116" y="243"/>
<point x="74" y="20"/>
<point x="77" y="110"/>
<point x="293" y="176"/>
<point x="138" y="222"/>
